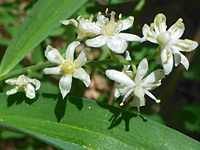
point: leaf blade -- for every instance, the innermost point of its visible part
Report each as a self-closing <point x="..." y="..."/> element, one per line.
<point x="42" y="20"/>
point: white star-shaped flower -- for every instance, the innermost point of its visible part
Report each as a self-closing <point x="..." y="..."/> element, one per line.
<point x="23" y="82"/>
<point x="137" y="86"/>
<point x="68" y="68"/>
<point x="85" y="27"/>
<point x="169" y="42"/>
<point x="109" y="33"/>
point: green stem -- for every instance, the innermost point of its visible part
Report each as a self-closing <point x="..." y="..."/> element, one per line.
<point x="24" y="70"/>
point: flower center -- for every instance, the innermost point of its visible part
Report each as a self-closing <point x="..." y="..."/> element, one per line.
<point x="163" y="38"/>
<point x="68" y="67"/>
<point x="110" y="27"/>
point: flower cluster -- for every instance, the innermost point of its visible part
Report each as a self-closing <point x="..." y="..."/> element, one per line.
<point x="107" y="30"/>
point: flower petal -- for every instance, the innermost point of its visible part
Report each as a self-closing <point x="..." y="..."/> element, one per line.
<point x="127" y="57"/>
<point x="70" y="50"/>
<point x="53" y="70"/>
<point x="127" y="23"/>
<point x="176" y="30"/>
<point x="97" y="41"/>
<point x="160" y="23"/>
<point x="150" y="95"/>
<point x="36" y="83"/>
<point x="12" y="91"/>
<point x="80" y="73"/>
<point x="128" y="37"/>
<point x="148" y="34"/>
<point x="70" y="21"/>
<point x="127" y="94"/>
<point x="154" y="77"/>
<point x="116" y="44"/>
<point x="65" y="84"/>
<point x="30" y="91"/>
<point x="184" y="45"/>
<point x="168" y="65"/>
<point x="116" y="93"/>
<point x="11" y="81"/>
<point x="180" y="58"/>
<point x="53" y="55"/>
<point x="141" y="70"/>
<point x="82" y="58"/>
<point x="120" y="77"/>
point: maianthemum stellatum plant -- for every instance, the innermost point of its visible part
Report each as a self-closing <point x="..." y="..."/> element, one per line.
<point x="132" y="81"/>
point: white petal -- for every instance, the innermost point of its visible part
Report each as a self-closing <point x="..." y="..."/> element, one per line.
<point x="183" y="45"/>
<point x="65" y="84"/>
<point x="11" y="81"/>
<point x="12" y="91"/>
<point x="90" y="27"/>
<point x="168" y="65"/>
<point x="71" y="21"/>
<point x="116" y="93"/>
<point x="163" y="56"/>
<point x="141" y="70"/>
<point x="36" y="83"/>
<point x="148" y="34"/>
<point x="127" y="23"/>
<point x="70" y="50"/>
<point x="53" y="70"/>
<point x="180" y="58"/>
<point x="120" y="77"/>
<point x="160" y="23"/>
<point x="116" y="44"/>
<point x="154" y="77"/>
<point x="176" y="30"/>
<point x="30" y="91"/>
<point x="82" y="75"/>
<point x="82" y="58"/>
<point x="53" y="55"/>
<point x="127" y="57"/>
<point x="150" y="95"/>
<point x="128" y="37"/>
<point x="97" y="41"/>
<point x="127" y="94"/>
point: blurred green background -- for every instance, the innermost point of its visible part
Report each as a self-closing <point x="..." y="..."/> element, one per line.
<point x="180" y="91"/>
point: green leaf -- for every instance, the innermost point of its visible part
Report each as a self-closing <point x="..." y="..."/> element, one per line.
<point x="42" y="20"/>
<point x="86" y="123"/>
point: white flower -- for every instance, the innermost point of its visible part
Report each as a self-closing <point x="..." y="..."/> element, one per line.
<point x="139" y="86"/>
<point x="68" y="67"/>
<point x="85" y="28"/>
<point x="23" y="82"/>
<point x="169" y="42"/>
<point x="109" y="33"/>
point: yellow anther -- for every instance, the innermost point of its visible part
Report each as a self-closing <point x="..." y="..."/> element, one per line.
<point x="159" y="18"/>
<point x="106" y="10"/>
<point x="91" y="18"/>
<point x="151" y="26"/>
<point x="158" y="84"/>
<point x="99" y="14"/>
<point x="179" y="22"/>
<point x="120" y="16"/>
<point x="125" y="88"/>
<point x="189" y="42"/>
<point x="158" y="101"/>
<point x="121" y="104"/>
<point x="169" y="55"/>
<point x="68" y="67"/>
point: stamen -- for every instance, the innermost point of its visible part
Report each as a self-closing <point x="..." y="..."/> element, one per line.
<point x="99" y="14"/>
<point x="125" y="88"/>
<point x="151" y="26"/>
<point x="159" y="18"/>
<point x="106" y="10"/>
<point x="189" y="42"/>
<point x="179" y="22"/>
<point x="169" y="55"/>
<point x="91" y="18"/>
<point x="158" y="84"/>
<point x="120" y="16"/>
<point x="158" y="101"/>
<point x="121" y="104"/>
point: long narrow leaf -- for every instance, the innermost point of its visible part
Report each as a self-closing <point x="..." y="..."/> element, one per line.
<point x="86" y="123"/>
<point x="42" y="20"/>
